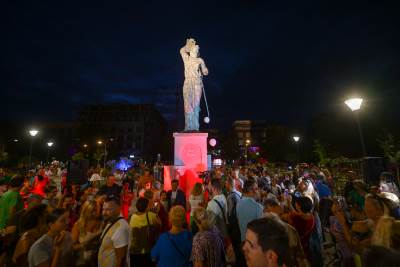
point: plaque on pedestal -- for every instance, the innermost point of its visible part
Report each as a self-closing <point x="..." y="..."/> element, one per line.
<point x="190" y="158"/>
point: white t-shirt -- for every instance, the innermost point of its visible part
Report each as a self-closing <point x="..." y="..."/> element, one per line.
<point x="173" y="196"/>
<point x="116" y="237"/>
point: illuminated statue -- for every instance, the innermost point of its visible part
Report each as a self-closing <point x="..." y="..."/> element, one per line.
<point x="195" y="68"/>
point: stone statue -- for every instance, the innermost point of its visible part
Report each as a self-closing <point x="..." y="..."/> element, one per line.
<point x="195" y="68"/>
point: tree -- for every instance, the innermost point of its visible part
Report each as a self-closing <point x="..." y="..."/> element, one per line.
<point x="320" y="151"/>
<point x="391" y="150"/>
<point x="78" y="156"/>
<point x="98" y="155"/>
<point x="3" y="156"/>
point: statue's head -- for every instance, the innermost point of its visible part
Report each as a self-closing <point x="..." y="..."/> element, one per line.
<point x="195" y="51"/>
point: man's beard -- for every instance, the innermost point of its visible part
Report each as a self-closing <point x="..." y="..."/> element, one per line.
<point x="107" y="218"/>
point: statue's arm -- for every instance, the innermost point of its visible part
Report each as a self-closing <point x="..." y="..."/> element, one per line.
<point x="204" y="69"/>
<point x="184" y="53"/>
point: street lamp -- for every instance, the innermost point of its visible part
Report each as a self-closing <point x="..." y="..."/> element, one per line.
<point x="354" y="104"/>
<point x="32" y="133"/>
<point x="247" y="143"/>
<point x="49" y="145"/>
<point x="105" y="152"/>
<point x="296" y="139"/>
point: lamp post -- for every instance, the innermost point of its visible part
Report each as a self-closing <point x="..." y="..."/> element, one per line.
<point x="105" y="152"/>
<point x="32" y="133"/>
<point x="296" y="139"/>
<point x="354" y="104"/>
<point x="49" y="145"/>
<point x="247" y="143"/>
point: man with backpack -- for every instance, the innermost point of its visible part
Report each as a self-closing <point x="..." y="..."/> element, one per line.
<point x="218" y="206"/>
<point x="114" y="241"/>
<point x="232" y="199"/>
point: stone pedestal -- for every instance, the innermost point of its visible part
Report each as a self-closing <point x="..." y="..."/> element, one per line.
<point x="190" y="158"/>
<point x="191" y="151"/>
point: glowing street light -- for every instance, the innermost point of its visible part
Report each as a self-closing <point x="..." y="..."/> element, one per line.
<point x="15" y="140"/>
<point x="85" y="145"/>
<point x="354" y="104"/>
<point x="105" y="152"/>
<point x="296" y="139"/>
<point x="49" y="145"/>
<point x="247" y="143"/>
<point x="32" y="133"/>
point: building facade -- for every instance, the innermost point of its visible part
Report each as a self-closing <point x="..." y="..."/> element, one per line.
<point x="252" y="132"/>
<point x="126" y="129"/>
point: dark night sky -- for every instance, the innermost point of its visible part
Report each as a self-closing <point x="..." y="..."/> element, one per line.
<point x="282" y="61"/>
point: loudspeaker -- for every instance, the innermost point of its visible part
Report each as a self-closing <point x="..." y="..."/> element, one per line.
<point x="372" y="167"/>
<point x="77" y="171"/>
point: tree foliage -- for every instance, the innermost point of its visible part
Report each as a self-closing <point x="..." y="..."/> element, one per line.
<point x="78" y="156"/>
<point x="320" y="152"/>
<point x="390" y="147"/>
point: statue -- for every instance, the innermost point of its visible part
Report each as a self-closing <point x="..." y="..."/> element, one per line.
<point x="193" y="87"/>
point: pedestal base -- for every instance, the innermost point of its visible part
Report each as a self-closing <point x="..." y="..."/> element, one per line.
<point x="191" y="151"/>
<point x="190" y="158"/>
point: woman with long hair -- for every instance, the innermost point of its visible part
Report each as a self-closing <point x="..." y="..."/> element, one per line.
<point x="87" y="228"/>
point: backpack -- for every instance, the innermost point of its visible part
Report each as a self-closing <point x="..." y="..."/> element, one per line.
<point x="233" y="223"/>
<point x="144" y="238"/>
<point x="221" y="222"/>
<point x="234" y="234"/>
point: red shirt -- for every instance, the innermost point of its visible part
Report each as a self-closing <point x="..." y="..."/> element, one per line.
<point x="304" y="226"/>
<point x="39" y="186"/>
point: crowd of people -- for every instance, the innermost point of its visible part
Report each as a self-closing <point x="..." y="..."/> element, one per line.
<point x="237" y="216"/>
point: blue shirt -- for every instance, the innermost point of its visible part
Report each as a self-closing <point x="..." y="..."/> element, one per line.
<point x="322" y="189"/>
<point x="247" y="210"/>
<point x="166" y="254"/>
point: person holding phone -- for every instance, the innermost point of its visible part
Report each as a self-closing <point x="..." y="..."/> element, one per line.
<point x="51" y="249"/>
